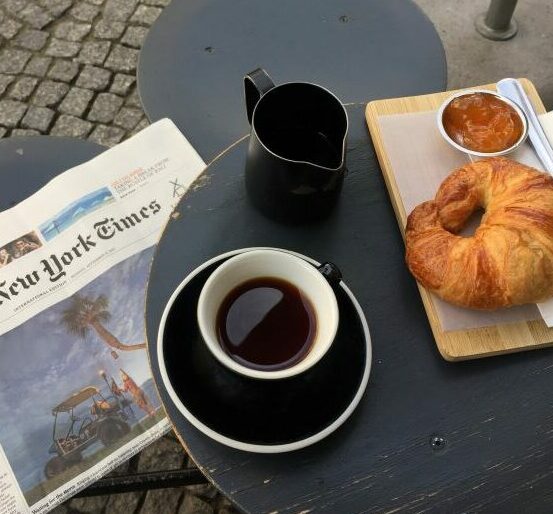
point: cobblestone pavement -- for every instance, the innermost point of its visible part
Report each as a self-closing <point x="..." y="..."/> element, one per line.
<point x="165" y="454"/>
<point x="68" y="68"/>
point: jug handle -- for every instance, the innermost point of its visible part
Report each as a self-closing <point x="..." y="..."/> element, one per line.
<point x="256" y="84"/>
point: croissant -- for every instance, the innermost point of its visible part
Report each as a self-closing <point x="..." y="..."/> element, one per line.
<point x="509" y="259"/>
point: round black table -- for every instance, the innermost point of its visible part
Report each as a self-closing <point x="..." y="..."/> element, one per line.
<point x="197" y="52"/>
<point x="28" y="163"/>
<point x="428" y="435"/>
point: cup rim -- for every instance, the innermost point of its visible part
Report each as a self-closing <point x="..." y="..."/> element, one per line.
<point x="261" y="448"/>
<point x="344" y="137"/>
<point x="301" y="366"/>
<point x="508" y="101"/>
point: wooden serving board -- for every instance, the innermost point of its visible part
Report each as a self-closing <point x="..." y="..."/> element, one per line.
<point x="459" y="344"/>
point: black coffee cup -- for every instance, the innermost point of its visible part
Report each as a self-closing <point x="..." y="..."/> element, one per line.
<point x="296" y="158"/>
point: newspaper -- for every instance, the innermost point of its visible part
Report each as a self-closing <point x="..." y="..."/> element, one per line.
<point x="76" y="393"/>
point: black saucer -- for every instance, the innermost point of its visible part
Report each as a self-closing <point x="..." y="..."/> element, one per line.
<point x="262" y="415"/>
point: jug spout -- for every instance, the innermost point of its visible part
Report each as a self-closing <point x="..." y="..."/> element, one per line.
<point x="256" y="84"/>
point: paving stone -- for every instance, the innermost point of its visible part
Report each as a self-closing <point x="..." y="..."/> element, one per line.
<point x="119" y="9"/>
<point x="24" y="132"/>
<point x="164" y="450"/>
<point x="14" y="6"/>
<point x="145" y="14"/>
<point x="9" y="28"/>
<point x="56" y="7"/>
<point x="193" y="505"/>
<point x="105" y="107"/>
<point x="134" y="99"/>
<point x="2" y="16"/>
<point x="70" y="126"/>
<point x="32" y="39"/>
<point x="128" y="117"/>
<point x="5" y="81"/>
<point x="35" y="16"/>
<point x="49" y="93"/>
<point x="134" y="36"/>
<point x="11" y="112"/>
<point x="64" y="71"/>
<point x="161" y="500"/>
<point x="60" y="48"/>
<point x="224" y="505"/>
<point x="206" y="491"/>
<point x="23" y="88"/>
<point x="109" y="29"/>
<point x="142" y="125"/>
<point x="92" y="504"/>
<point x="121" y="84"/>
<point x="92" y="77"/>
<point x="122" y="59"/>
<point x="94" y="52"/>
<point x="72" y="30"/>
<point x="13" y="61"/>
<point x="85" y="12"/>
<point x="38" y="66"/>
<point x="107" y="136"/>
<point x="76" y="101"/>
<point x="37" y="118"/>
<point x="3" y="131"/>
<point x="123" y="503"/>
<point x="96" y="2"/>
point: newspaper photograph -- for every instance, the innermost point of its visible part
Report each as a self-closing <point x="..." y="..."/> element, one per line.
<point x="76" y="393"/>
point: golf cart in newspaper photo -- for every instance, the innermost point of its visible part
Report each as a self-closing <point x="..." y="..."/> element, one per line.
<point x="107" y="421"/>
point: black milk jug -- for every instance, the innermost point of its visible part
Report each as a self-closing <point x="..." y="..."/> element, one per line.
<point x="296" y="158"/>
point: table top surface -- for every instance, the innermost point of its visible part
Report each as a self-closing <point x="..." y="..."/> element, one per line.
<point x="196" y="54"/>
<point x="428" y="435"/>
<point x="28" y="163"/>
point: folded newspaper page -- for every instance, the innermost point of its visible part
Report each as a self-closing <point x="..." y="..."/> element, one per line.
<point x="76" y="393"/>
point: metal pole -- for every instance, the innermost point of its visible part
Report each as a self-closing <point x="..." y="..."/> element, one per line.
<point x="498" y="23"/>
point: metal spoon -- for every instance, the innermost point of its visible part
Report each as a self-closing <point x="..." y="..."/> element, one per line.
<point x="512" y="89"/>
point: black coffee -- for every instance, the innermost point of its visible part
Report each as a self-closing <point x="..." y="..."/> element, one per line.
<point x="266" y="324"/>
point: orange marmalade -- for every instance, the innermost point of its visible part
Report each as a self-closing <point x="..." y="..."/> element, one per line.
<point x="482" y="122"/>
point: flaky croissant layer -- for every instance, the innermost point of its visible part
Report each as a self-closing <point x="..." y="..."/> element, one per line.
<point x="509" y="259"/>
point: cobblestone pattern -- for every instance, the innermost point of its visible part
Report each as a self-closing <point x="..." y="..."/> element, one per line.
<point x="67" y="68"/>
<point x="166" y="454"/>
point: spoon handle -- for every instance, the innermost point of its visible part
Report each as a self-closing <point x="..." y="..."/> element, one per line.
<point x="512" y="89"/>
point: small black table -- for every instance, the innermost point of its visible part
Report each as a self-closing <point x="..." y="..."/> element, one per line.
<point x="29" y="163"/>
<point x="428" y="435"/>
<point x="197" y="52"/>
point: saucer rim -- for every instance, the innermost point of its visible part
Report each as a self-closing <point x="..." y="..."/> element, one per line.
<point x="235" y="443"/>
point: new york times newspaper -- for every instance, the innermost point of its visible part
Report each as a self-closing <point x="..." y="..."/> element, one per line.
<point x="76" y="394"/>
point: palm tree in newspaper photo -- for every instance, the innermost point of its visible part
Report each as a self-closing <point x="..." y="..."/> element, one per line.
<point x="85" y="313"/>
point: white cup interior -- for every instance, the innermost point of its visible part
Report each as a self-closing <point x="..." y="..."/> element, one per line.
<point x="277" y="264"/>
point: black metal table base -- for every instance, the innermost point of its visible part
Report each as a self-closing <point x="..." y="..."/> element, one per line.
<point x="144" y="482"/>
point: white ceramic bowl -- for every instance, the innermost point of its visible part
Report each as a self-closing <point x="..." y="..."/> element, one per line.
<point x="474" y="152"/>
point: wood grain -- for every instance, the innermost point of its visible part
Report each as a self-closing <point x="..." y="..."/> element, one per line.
<point x="460" y="344"/>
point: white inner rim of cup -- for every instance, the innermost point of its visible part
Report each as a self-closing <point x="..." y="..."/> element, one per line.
<point x="281" y="265"/>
